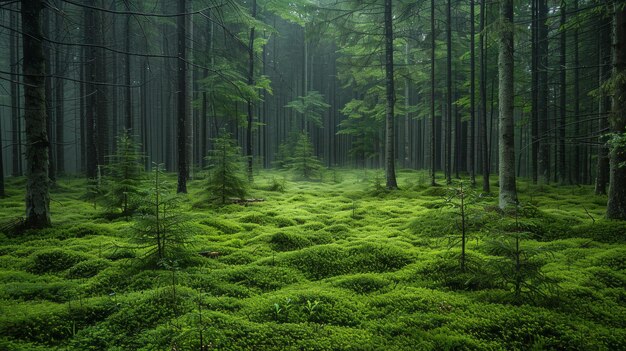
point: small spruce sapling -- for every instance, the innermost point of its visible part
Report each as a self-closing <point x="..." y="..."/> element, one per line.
<point x="303" y="161"/>
<point x="226" y="179"/>
<point x="125" y="173"/>
<point x="461" y="199"/>
<point x="163" y="228"/>
<point x="518" y="267"/>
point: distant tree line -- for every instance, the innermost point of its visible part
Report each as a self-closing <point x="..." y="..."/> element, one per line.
<point x="530" y="89"/>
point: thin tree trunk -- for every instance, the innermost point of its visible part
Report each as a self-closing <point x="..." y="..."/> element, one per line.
<point x="562" y="97"/>
<point x="250" y="106"/>
<point x="604" y="103"/>
<point x="508" y="193"/>
<point x="449" y="92"/>
<point x="391" y="99"/>
<point x="16" y="132"/>
<point x="472" y="151"/>
<point x="483" y="99"/>
<point x="578" y="150"/>
<point x="59" y="101"/>
<point x="616" y="206"/>
<point x="91" y="154"/>
<point x="534" y="113"/>
<point x="48" y="92"/>
<point x="543" y="157"/>
<point x="128" y="118"/>
<point x="182" y="99"/>
<point x="433" y="140"/>
<point x="38" y="183"/>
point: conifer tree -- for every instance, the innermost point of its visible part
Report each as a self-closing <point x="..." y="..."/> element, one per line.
<point x="125" y="171"/>
<point x="163" y="228"/>
<point x="226" y="178"/>
<point x="303" y="161"/>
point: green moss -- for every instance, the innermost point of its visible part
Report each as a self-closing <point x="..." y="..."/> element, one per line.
<point x="54" y="260"/>
<point x="224" y="226"/>
<point x="87" y="269"/>
<point x="285" y="241"/>
<point x="363" y="283"/>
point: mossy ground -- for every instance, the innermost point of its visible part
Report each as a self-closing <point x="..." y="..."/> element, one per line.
<point x="331" y="265"/>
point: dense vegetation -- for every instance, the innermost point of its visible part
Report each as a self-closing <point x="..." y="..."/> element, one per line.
<point x="340" y="264"/>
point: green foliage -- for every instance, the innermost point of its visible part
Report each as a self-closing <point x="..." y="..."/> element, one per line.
<point x="163" y="229"/>
<point x="124" y="176"/>
<point x="285" y="241"/>
<point x="519" y="268"/>
<point x="302" y="160"/>
<point x="226" y="178"/>
<point x="87" y="269"/>
<point x="311" y="106"/>
<point x="54" y="260"/>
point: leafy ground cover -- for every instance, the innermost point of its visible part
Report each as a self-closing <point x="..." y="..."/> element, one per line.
<point x="337" y="264"/>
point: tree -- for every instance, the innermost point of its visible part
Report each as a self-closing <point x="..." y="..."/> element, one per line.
<point x="225" y="179"/>
<point x="390" y="168"/>
<point x="311" y="106"/>
<point x="125" y="173"/>
<point x="249" y="100"/>
<point x="448" y="163"/>
<point x="508" y="192"/>
<point x="483" y="99"/>
<point x="303" y="161"/>
<point x="616" y="206"/>
<point x="163" y="228"/>
<point x="433" y="43"/>
<point x="37" y="143"/>
<point x="182" y="102"/>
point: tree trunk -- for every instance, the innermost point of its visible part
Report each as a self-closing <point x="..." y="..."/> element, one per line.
<point x="16" y="132"/>
<point x="128" y="116"/>
<point x="59" y="100"/>
<point x="38" y="183"/>
<point x="182" y="104"/>
<point x="616" y="206"/>
<point x="91" y="154"/>
<point x="391" y="99"/>
<point x="472" y="151"/>
<point x="250" y="106"/>
<point x="578" y="150"/>
<point x="604" y="103"/>
<point x="48" y="92"/>
<point x="433" y="140"/>
<point x="483" y="99"/>
<point x="562" y="97"/>
<point x="508" y="193"/>
<point x="534" y="113"/>
<point x="449" y="93"/>
<point x="543" y="157"/>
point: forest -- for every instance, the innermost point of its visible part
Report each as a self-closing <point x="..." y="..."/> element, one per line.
<point x="312" y="175"/>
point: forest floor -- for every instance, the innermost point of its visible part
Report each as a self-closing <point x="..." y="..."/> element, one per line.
<point x="338" y="264"/>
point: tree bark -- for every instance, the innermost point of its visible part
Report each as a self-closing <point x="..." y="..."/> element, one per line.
<point x="91" y="153"/>
<point x="508" y="192"/>
<point x="543" y="156"/>
<point x="250" y="106"/>
<point x="472" y="126"/>
<point x="391" y="99"/>
<point x="534" y="113"/>
<point x="16" y="132"/>
<point x="562" y="97"/>
<point x="449" y="92"/>
<point x="433" y="140"/>
<point x="38" y="183"/>
<point x="182" y="105"/>
<point x="616" y="206"/>
<point x="128" y="115"/>
<point x="604" y="106"/>
<point x="483" y="99"/>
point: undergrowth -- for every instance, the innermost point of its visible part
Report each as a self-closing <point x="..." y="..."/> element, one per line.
<point x="336" y="264"/>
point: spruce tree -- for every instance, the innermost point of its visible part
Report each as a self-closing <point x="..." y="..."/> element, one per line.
<point x="163" y="228"/>
<point x="303" y="161"/>
<point x="125" y="172"/>
<point x="225" y="175"/>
